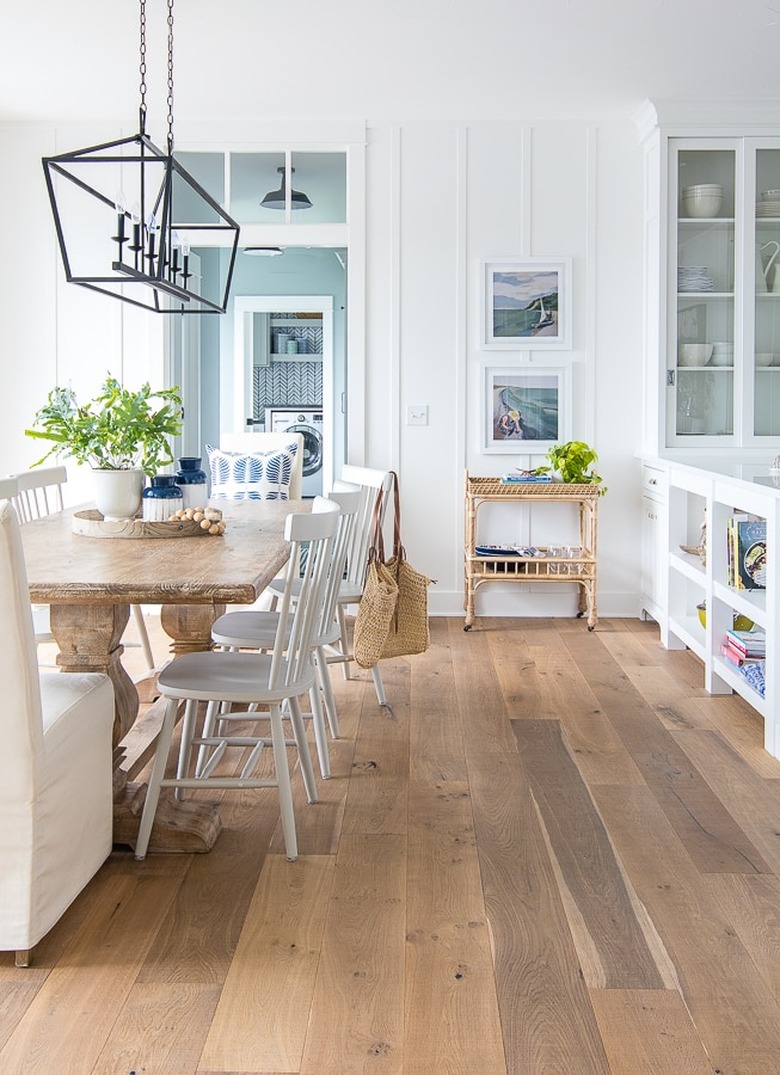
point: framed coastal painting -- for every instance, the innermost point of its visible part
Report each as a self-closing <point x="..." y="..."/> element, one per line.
<point x="526" y="408"/>
<point x="527" y="304"/>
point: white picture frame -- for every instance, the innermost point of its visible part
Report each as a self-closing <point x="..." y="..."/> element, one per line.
<point x="527" y="304"/>
<point x="526" y="408"/>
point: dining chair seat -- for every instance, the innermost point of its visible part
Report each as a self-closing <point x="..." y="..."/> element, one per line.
<point x="271" y="679"/>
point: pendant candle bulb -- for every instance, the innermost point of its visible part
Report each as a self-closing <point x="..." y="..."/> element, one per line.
<point x="144" y="258"/>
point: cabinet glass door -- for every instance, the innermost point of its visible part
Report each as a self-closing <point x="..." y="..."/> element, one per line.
<point x="766" y="397"/>
<point x="702" y="337"/>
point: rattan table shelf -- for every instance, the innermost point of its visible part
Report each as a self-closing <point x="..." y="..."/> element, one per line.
<point x="544" y="568"/>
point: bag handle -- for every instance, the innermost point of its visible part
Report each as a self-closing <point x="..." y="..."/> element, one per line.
<point x="377" y="547"/>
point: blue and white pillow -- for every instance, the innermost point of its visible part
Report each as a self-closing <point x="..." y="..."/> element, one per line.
<point x="251" y="475"/>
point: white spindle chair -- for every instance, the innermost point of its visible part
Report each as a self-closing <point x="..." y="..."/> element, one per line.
<point x="274" y="678"/>
<point x="257" y="629"/>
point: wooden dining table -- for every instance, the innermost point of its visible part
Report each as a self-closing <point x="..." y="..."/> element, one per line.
<point x="91" y="582"/>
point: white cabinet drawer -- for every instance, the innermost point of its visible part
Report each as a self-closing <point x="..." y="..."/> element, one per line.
<point x="655" y="481"/>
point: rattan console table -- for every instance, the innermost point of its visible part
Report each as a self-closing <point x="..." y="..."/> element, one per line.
<point x="543" y="567"/>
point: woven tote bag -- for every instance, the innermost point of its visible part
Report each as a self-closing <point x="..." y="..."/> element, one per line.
<point x="375" y="612"/>
<point x="393" y="583"/>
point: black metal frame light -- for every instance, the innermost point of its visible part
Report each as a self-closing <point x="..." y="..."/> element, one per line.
<point x="277" y="199"/>
<point x="136" y="247"/>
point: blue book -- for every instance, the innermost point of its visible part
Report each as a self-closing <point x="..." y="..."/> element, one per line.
<point x="522" y="479"/>
<point x="751" y="554"/>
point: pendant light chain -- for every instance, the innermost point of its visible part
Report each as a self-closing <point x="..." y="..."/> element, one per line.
<point x="170" y="76"/>
<point x="142" y="68"/>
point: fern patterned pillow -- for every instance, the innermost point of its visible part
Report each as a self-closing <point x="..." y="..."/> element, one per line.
<point x="251" y="475"/>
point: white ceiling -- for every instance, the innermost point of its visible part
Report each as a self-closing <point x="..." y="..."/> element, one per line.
<point x="426" y="59"/>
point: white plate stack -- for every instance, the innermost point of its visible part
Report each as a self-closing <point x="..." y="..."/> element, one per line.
<point x="722" y="353"/>
<point x="694" y="278"/>
<point x="769" y="204"/>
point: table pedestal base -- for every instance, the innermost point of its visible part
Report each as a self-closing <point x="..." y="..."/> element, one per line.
<point x="179" y="826"/>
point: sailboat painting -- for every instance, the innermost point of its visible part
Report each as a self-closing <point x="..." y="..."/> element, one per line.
<point x="527" y="304"/>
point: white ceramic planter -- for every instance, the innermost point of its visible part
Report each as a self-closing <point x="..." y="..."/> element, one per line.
<point x="118" y="492"/>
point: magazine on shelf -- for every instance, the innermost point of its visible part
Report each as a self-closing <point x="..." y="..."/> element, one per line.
<point x="746" y="552"/>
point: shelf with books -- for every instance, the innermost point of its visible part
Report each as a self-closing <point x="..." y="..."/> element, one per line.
<point x="732" y="579"/>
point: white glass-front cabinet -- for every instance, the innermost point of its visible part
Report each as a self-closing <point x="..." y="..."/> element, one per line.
<point x="722" y="370"/>
<point x="712" y="276"/>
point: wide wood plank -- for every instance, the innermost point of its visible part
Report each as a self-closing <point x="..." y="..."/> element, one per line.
<point x="733" y="1010"/>
<point x="160" y="1029"/>
<point x="356" y="1021"/>
<point x="712" y="837"/>
<point x="260" y="1022"/>
<point x="598" y="899"/>
<point x="546" y="1016"/>
<point x="648" y="1032"/>
<point x="480" y="700"/>
<point x="84" y="993"/>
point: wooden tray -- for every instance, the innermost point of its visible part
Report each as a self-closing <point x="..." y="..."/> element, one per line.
<point x="90" y="523"/>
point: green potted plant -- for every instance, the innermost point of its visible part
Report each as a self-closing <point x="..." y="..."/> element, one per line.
<point x="122" y="434"/>
<point x="573" y="461"/>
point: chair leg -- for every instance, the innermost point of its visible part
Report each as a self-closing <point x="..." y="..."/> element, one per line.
<point x="379" y="686"/>
<point x="344" y="639"/>
<point x="143" y="634"/>
<point x="283" y="781"/>
<point x="23" y="957"/>
<point x="307" y="769"/>
<point x="327" y="692"/>
<point x="320" y="734"/>
<point x="185" y="746"/>
<point x="155" y="778"/>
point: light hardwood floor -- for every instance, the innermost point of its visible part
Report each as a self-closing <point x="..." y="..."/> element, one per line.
<point x="557" y="854"/>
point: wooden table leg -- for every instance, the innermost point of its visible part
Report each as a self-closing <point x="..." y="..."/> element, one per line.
<point x="189" y="626"/>
<point x="89" y="640"/>
<point x="185" y="825"/>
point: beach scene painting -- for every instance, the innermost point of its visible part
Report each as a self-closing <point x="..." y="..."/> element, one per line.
<point x="526" y="409"/>
<point x="527" y="304"/>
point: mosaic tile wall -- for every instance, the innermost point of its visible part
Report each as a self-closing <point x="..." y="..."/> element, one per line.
<point x="286" y="384"/>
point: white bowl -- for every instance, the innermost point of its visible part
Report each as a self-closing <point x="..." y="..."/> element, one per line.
<point x="765" y="358"/>
<point x="702" y="205"/>
<point x="694" y="354"/>
<point x="770" y="195"/>
<point x="722" y="358"/>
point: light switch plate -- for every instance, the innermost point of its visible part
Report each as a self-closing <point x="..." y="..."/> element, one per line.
<point x="417" y="414"/>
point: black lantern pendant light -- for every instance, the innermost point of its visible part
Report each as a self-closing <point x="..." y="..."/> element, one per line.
<point x="277" y="199"/>
<point x="127" y="216"/>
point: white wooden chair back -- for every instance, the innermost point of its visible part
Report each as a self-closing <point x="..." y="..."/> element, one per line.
<point x="370" y="482"/>
<point x="9" y="490"/>
<point x="300" y="608"/>
<point x="348" y="497"/>
<point x="40" y="492"/>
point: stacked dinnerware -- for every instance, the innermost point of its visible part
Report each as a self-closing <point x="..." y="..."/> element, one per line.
<point x="694" y="278"/>
<point x="722" y="353"/>
<point x="702" y="200"/>
<point x="769" y="204"/>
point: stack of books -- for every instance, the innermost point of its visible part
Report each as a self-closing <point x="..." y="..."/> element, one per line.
<point x="520" y="479"/>
<point x="744" y="647"/>
<point x="746" y="552"/>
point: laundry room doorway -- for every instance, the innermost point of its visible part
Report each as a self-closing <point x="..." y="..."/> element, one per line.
<point x="285" y="375"/>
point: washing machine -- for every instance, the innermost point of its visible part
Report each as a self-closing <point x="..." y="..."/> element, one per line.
<point x="309" y="422"/>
